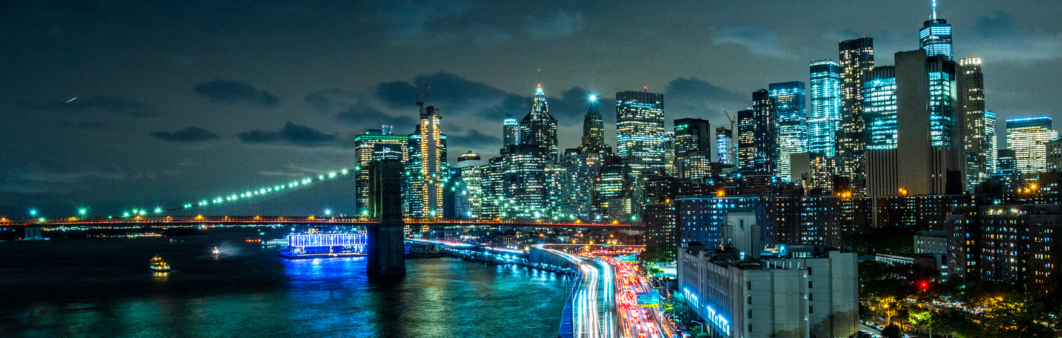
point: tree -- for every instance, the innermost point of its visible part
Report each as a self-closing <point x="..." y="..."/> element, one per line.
<point x="891" y="331"/>
<point x="923" y="319"/>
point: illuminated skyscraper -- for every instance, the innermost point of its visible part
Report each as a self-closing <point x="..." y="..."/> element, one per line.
<point x="693" y="158"/>
<point x="579" y="186"/>
<point x="614" y="189"/>
<point x="791" y="111"/>
<point x="825" y="116"/>
<point x="724" y="143"/>
<point x="364" y="146"/>
<point x="879" y="108"/>
<point x="765" y="134"/>
<point x="427" y="168"/>
<point x="640" y="129"/>
<point x="856" y="60"/>
<point x="991" y="145"/>
<point x="525" y="182"/>
<point x="746" y="143"/>
<point x="511" y="131"/>
<point x="972" y="108"/>
<point x="1028" y="137"/>
<point x="539" y="128"/>
<point x="593" y="128"/>
<point x="935" y="35"/>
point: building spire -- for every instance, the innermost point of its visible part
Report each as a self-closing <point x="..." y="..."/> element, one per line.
<point x="934" y="18"/>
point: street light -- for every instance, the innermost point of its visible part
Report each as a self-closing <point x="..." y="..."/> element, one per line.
<point x="82" y="212"/>
<point x="328" y="211"/>
<point x="702" y="325"/>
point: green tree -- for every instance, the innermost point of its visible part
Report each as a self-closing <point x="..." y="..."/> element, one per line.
<point x="891" y="331"/>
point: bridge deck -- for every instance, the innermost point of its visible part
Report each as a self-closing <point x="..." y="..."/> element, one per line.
<point x="236" y="220"/>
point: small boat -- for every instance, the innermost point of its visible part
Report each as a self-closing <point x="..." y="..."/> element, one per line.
<point x="157" y="264"/>
<point x="216" y="252"/>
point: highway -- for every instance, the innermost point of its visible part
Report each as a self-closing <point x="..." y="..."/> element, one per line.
<point x="594" y="308"/>
<point x="635" y="321"/>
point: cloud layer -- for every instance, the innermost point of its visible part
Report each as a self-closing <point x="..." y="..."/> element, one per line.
<point x="236" y="92"/>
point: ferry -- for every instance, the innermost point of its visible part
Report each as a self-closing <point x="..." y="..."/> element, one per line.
<point x="157" y="264"/>
<point x="216" y="252"/>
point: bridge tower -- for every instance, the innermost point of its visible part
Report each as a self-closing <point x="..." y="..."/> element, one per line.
<point x="386" y="247"/>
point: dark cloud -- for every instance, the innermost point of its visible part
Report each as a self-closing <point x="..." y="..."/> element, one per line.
<point x="363" y="114"/>
<point x="291" y="134"/>
<point x="559" y="24"/>
<point x="94" y="125"/>
<point x="756" y="40"/>
<point x="186" y="135"/>
<point x="421" y="24"/>
<point x="473" y="139"/>
<point x="237" y="92"/>
<point x="97" y="103"/>
<point x="54" y="177"/>
<point x="696" y="98"/>
<point x="997" y="25"/>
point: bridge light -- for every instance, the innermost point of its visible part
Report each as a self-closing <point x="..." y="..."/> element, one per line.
<point x="82" y="211"/>
<point x="158" y="210"/>
<point x="125" y="214"/>
<point x="328" y="211"/>
<point x="33" y="212"/>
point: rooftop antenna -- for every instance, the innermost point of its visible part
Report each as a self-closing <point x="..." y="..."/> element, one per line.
<point x="934" y="9"/>
<point x="420" y="100"/>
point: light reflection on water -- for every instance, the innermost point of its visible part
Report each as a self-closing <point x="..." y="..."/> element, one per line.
<point x="103" y="289"/>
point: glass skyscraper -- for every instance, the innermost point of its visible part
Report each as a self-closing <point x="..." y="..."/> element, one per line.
<point x="724" y="140"/>
<point x="825" y="116"/>
<point x="1028" y="137"/>
<point x="427" y="168"/>
<point x="791" y="111"/>
<point x="640" y="129"/>
<point x="539" y="128"/>
<point x="935" y="35"/>
<point x="972" y="119"/>
<point x="991" y="146"/>
<point x="879" y="108"/>
<point x="511" y="131"/>
<point x="765" y="134"/>
<point x="593" y="128"/>
<point x="942" y="96"/>
<point x="746" y="143"/>
<point x="856" y="60"/>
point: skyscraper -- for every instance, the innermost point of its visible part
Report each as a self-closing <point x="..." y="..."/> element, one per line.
<point x="640" y="129"/>
<point x="525" y="181"/>
<point x="539" y="128"/>
<point x="693" y="158"/>
<point x="825" y="116"/>
<point x="1028" y="137"/>
<point x="724" y="141"/>
<point x="579" y="186"/>
<point x="935" y="35"/>
<point x="427" y="168"/>
<point x="765" y="134"/>
<point x="791" y="111"/>
<point x="746" y="143"/>
<point x="991" y="145"/>
<point x="971" y="96"/>
<point x="593" y="128"/>
<point x="925" y="150"/>
<point x="856" y="60"/>
<point x="511" y="131"/>
<point x="879" y="108"/>
<point x="364" y="147"/>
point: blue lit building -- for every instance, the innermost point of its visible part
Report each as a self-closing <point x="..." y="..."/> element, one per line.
<point x="942" y="99"/>
<point x="789" y="105"/>
<point x="825" y="117"/>
<point x="879" y="108"/>
<point x="724" y="140"/>
<point x="935" y="36"/>
<point x="640" y="134"/>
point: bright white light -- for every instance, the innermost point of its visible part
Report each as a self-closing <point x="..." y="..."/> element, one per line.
<point x="593" y="97"/>
<point x="328" y="211"/>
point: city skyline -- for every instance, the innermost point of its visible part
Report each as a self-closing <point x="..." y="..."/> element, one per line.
<point x="126" y="126"/>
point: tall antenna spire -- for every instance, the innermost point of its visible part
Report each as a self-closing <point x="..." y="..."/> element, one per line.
<point x="934" y="9"/>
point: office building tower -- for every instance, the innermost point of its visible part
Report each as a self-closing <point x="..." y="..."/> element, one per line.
<point x="925" y="113"/>
<point x="725" y="147"/>
<point x="525" y="182"/>
<point x="813" y="171"/>
<point x="825" y="118"/>
<point x="856" y="60"/>
<point x="558" y="203"/>
<point x="971" y="95"/>
<point x="691" y="135"/>
<point x="640" y="129"/>
<point x="669" y="153"/>
<point x="935" y="36"/>
<point x="879" y="108"/>
<point x="789" y="106"/>
<point x="746" y="143"/>
<point x="593" y="128"/>
<point x="1054" y="155"/>
<point x="1028" y="137"/>
<point x="991" y="145"/>
<point x="364" y="153"/>
<point x="510" y="131"/>
<point x="765" y="134"/>
<point x="427" y="168"/>
<point x="579" y="186"/>
<point x="539" y="128"/>
<point x="471" y="170"/>
<point x="1006" y="162"/>
<point x="613" y="189"/>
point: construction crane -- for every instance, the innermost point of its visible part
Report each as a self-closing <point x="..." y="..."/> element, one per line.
<point x="420" y="100"/>
<point x="731" y="120"/>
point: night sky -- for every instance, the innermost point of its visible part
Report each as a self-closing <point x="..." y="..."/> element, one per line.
<point x="181" y="100"/>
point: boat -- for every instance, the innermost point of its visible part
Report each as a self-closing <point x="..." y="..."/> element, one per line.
<point x="158" y="264"/>
<point x="216" y="252"/>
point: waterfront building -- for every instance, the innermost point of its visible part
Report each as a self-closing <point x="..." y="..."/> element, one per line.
<point x="640" y="133"/>
<point x="791" y="117"/>
<point x="364" y="150"/>
<point x="472" y="174"/>
<point x="856" y="61"/>
<point x="746" y="143"/>
<point x="973" y="119"/>
<point x="725" y="146"/>
<point x="1028" y="137"/>
<point x="593" y="128"/>
<point x="427" y="167"/>
<point x="539" y="128"/>
<point x="935" y="36"/>
<point x="803" y="291"/>
<point x="825" y="118"/>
